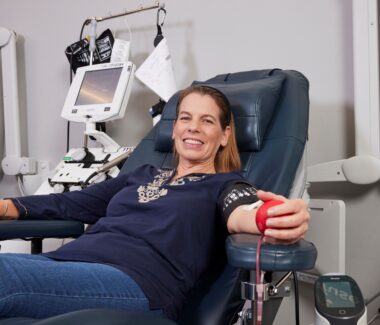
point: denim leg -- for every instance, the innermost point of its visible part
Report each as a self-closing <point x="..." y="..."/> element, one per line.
<point x="39" y="287"/>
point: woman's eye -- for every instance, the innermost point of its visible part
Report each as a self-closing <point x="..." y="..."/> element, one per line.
<point x="208" y="121"/>
<point x="184" y="118"/>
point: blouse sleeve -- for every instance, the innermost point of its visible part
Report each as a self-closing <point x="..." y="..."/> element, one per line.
<point x="236" y="194"/>
<point x="87" y="205"/>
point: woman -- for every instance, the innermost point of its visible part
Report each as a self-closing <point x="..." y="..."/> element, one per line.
<point x="154" y="231"/>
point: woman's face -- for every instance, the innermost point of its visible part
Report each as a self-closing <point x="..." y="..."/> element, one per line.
<point x="197" y="132"/>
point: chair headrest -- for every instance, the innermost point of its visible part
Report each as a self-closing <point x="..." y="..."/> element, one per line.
<point x="253" y="104"/>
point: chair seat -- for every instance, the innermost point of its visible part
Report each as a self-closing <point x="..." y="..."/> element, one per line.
<point x="12" y="229"/>
<point x="93" y="317"/>
<point x="241" y="252"/>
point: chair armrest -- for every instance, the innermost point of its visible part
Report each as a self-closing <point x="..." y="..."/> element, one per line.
<point x="241" y="252"/>
<point x="13" y="229"/>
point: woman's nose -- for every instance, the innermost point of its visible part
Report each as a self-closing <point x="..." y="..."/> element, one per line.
<point x="193" y="126"/>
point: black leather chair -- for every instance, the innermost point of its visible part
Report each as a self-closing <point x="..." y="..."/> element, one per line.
<point x="271" y="110"/>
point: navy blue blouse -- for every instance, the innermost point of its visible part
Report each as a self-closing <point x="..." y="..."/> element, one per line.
<point x="161" y="233"/>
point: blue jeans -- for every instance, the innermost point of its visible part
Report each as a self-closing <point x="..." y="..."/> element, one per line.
<point x="39" y="287"/>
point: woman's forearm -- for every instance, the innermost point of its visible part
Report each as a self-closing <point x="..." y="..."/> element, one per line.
<point x="8" y="211"/>
<point x="242" y="220"/>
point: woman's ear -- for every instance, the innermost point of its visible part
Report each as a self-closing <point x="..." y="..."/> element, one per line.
<point x="173" y="130"/>
<point x="226" y="136"/>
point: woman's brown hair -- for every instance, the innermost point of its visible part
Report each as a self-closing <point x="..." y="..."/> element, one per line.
<point x="227" y="158"/>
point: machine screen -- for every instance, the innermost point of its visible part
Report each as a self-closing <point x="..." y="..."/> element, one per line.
<point x="338" y="294"/>
<point x="98" y="86"/>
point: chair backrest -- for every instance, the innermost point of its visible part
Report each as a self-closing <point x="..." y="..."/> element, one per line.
<point x="271" y="111"/>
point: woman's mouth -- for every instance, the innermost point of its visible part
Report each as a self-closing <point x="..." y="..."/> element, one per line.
<point x="192" y="141"/>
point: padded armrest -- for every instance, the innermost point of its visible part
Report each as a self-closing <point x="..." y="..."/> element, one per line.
<point x="241" y="252"/>
<point x="13" y="229"/>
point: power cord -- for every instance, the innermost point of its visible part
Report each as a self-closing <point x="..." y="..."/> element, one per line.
<point x="377" y="316"/>
<point x="71" y="80"/>
<point x="296" y="298"/>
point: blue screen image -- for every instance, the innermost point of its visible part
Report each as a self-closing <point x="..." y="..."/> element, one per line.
<point x="338" y="294"/>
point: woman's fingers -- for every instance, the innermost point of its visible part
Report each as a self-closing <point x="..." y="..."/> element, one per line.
<point x="288" y="215"/>
<point x="266" y="196"/>
<point x="288" y="222"/>
<point x="291" y="234"/>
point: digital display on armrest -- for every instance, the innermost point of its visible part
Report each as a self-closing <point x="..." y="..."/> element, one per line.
<point x="98" y="86"/>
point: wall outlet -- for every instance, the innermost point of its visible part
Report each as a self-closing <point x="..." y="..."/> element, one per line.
<point x="43" y="166"/>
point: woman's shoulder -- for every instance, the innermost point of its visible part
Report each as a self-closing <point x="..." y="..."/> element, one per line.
<point x="230" y="176"/>
<point x="222" y="180"/>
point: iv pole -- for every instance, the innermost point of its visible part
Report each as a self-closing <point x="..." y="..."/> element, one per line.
<point x="109" y="144"/>
<point x="99" y="19"/>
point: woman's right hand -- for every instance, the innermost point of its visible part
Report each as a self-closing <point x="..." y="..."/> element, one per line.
<point x="8" y="211"/>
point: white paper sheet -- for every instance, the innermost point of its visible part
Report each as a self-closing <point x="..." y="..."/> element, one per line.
<point x="120" y="51"/>
<point x="157" y="72"/>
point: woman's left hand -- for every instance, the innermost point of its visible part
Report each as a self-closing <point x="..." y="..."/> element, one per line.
<point x="288" y="222"/>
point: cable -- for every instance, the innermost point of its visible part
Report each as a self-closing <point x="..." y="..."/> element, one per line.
<point x="296" y="298"/>
<point x="20" y="185"/>
<point x="369" y="300"/>
<point x="130" y="33"/>
<point x="259" y="284"/>
<point x="71" y="80"/>
<point x="377" y="316"/>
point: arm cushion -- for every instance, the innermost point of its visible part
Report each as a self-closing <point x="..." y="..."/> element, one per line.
<point x="241" y="252"/>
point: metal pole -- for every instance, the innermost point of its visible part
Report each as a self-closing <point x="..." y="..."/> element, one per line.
<point x="100" y="19"/>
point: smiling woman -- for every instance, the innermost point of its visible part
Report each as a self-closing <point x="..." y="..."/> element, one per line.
<point x="154" y="230"/>
<point x="204" y="134"/>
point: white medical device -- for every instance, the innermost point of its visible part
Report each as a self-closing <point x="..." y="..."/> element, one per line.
<point x="99" y="92"/>
<point x="339" y="301"/>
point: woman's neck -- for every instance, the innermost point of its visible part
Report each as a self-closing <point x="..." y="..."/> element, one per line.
<point x="186" y="169"/>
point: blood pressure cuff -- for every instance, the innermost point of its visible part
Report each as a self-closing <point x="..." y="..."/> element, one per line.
<point x="234" y="195"/>
<point x="79" y="53"/>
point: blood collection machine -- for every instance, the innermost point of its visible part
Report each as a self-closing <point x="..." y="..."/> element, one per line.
<point x="98" y="93"/>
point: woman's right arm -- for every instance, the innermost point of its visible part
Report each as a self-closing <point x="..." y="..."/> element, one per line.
<point x="87" y="205"/>
<point x="8" y="210"/>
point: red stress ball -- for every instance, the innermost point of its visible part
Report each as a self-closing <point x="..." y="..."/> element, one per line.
<point x="262" y="214"/>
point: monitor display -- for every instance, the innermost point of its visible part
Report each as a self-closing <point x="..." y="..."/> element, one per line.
<point x="338" y="294"/>
<point x="98" y="87"/>
<point x="99" y="92"/>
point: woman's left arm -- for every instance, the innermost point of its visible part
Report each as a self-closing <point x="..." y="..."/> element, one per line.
<point x="287" y="223"/>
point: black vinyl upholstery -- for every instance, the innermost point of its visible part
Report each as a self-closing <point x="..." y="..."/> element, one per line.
<point x="273" y="167"/>
<point x="241" y="252"/>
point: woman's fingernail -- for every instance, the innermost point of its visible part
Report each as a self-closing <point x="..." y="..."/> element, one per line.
<point x="271" y="211"/>
<point x="269" y="223"/>
<point x="268" y="232"/>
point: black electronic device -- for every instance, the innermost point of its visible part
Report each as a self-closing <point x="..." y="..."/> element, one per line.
<point x="338" y="301"/>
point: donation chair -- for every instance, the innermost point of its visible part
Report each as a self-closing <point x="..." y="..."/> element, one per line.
<point x="270" y="109"/>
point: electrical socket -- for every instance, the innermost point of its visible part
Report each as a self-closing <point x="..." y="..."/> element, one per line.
<point x="43" y="166"/>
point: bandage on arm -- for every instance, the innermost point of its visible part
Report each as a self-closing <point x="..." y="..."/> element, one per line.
<point x="253" y="206"/>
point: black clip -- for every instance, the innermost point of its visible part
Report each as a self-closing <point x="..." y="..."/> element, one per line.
<point x="159" y="35"/>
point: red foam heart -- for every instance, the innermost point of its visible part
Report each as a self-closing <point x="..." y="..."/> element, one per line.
<point x="262" y="214"/>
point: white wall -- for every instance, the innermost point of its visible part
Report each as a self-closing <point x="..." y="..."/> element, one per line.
<point x="206" y="38"/>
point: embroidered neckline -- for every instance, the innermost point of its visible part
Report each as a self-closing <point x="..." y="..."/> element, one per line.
<point x="154" y="190"/>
